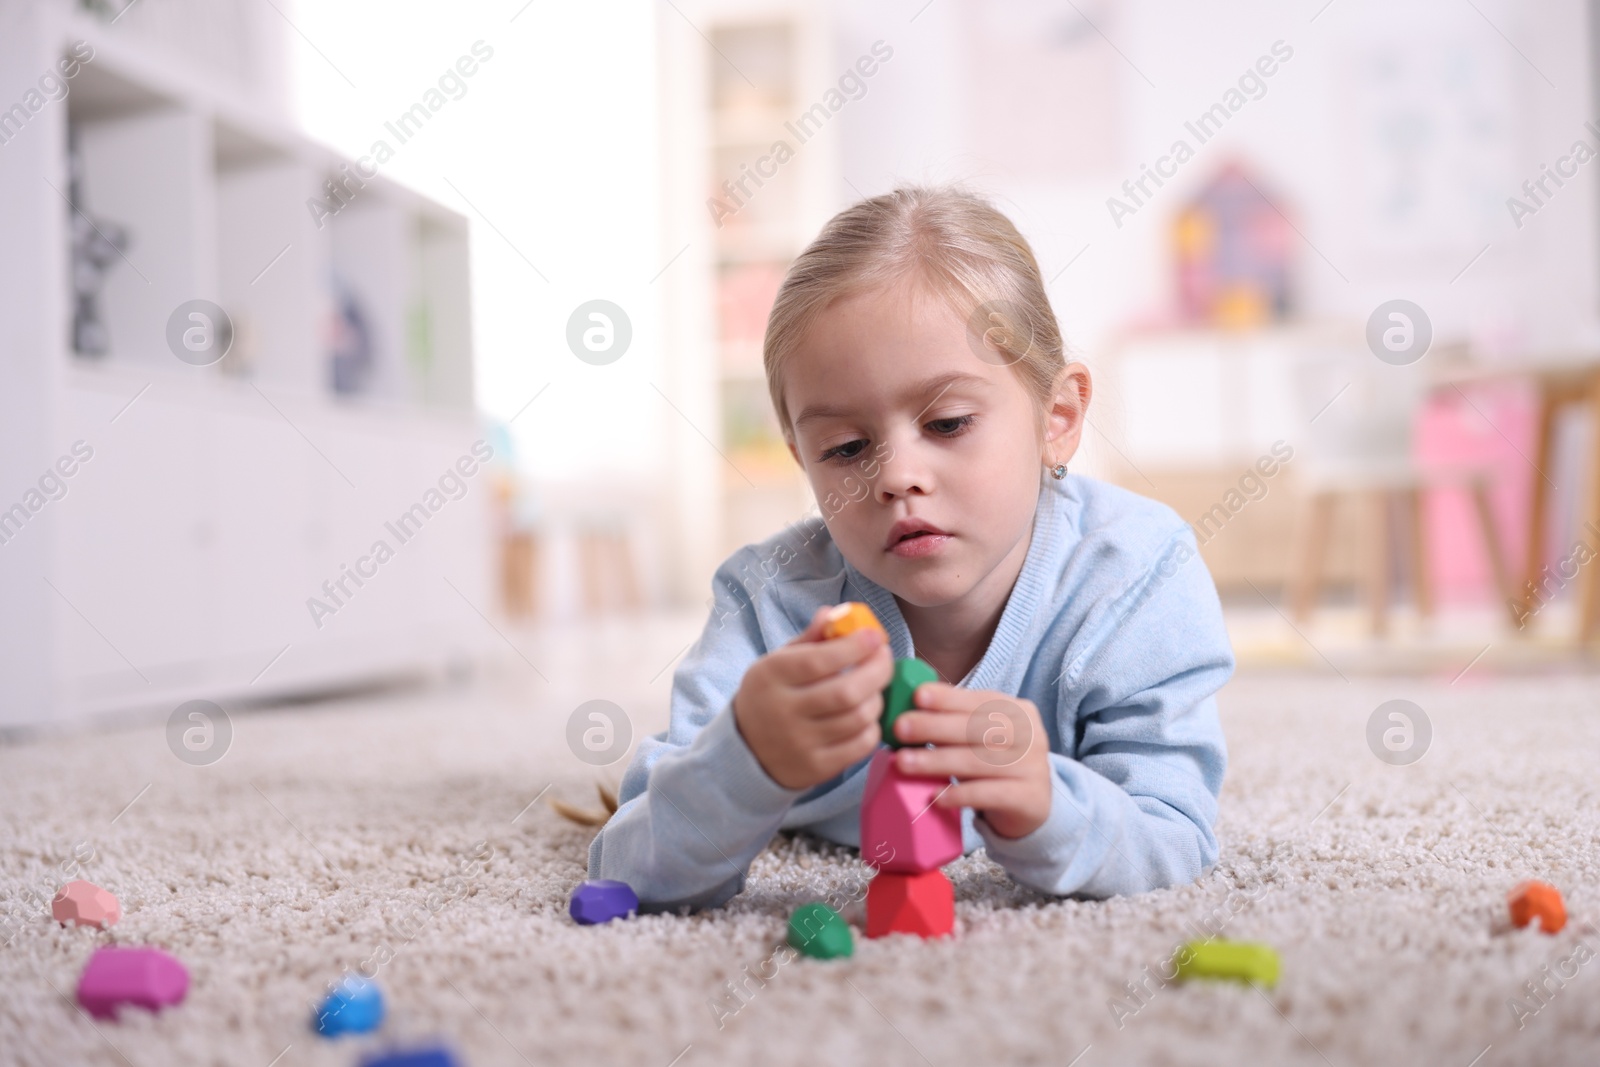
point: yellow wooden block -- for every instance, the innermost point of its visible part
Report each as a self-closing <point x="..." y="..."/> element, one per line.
<point x="1239" y="961"/>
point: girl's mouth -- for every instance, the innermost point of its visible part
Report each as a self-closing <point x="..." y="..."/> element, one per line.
<point x="920" y="544"/>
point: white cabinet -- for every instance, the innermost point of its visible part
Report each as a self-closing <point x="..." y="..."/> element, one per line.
<point x="270" y="259"/>
<point x="1207" y="399"/>
<point x="149" y="174"/>
<point x="219" y="499"/>
<point x="132" y="540"/>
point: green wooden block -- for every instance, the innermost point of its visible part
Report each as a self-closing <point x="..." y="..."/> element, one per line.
<point x="908" y="674"/>
<point x="818" y="931"/>
<point x="1240" y="961"/>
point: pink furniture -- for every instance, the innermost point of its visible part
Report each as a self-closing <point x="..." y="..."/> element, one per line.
<point x="1548" y="552"/>
<point x="1475" y="426"/>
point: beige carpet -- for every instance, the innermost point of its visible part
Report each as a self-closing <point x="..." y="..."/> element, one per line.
<point x="319" y="838"/>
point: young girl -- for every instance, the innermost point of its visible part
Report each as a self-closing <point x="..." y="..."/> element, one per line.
<point x="917" y="372"/>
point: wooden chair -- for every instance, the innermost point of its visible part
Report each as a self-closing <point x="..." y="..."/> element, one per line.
<point x="606" y="560"/>
<point x="519" y="572"/>
<point x="1381" y="496"/>
<point x="1357" y="448"/>
<point x="602" y="519"/>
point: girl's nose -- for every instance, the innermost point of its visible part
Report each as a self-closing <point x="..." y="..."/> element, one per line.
<point x="903" y="473"/>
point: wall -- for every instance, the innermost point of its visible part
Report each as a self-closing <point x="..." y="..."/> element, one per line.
<point x="1394" y="133"/>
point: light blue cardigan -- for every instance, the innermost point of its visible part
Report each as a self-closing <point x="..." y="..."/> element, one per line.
<point x="1113" y="630"/>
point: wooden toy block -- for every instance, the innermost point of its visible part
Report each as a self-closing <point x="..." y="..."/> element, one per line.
<point x="908" y="674"/>
<point x="923" y="904"/>
<point x="144" y="977"/>
<point x="602" y="900"/>
<point x="902" y="829"/>
<point x="1239" y="961"/>
<point x="433" y="1056"/>
<point x="849" y="617"/>
<point x="1537" y="900"/>
<point x="819" y="932"/>
<point x="355" y="1006"/>
<point x="85" y="904"/>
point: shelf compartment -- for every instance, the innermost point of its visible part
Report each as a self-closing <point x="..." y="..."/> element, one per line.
<point x="149" y="174"/>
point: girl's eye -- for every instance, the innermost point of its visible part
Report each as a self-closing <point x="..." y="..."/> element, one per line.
<point x="847" y="451"/>
<point x="954" y="426"/>
<point x="951" y="427"/>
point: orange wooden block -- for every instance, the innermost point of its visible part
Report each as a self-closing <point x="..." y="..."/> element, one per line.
<point x="1537" y="900"/>
<point x="849" y="617"/>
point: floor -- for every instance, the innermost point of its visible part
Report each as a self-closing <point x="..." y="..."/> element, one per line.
<point x="1338" y="638"/>
<point x="408" y="832"/>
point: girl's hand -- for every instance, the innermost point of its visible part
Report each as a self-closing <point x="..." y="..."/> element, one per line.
<point x="995" y="747"/>
<point x="805" y="717"/>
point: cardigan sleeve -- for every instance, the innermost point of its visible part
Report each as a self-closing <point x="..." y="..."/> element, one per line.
<point x="1133" y="808"/>
<point x="696" y="806"/>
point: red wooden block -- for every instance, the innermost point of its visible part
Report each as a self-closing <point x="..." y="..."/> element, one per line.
<point x="901" y="827"/>
<point x="1537" y="900"/>
<point x="923" y="904"/>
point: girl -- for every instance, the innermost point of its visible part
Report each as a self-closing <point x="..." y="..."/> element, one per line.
<point x="918" y="375"/>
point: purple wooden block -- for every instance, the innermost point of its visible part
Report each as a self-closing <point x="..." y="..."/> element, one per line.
<point x="603" y="900"/>
<point x="145" y="977"/>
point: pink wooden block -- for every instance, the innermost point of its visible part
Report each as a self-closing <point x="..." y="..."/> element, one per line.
<point x="145" y="977"/>
<point x="85" y="904"/>
<point x="901" y="828"/>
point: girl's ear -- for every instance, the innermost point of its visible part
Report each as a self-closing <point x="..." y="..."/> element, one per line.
<point x="1068" y="408"/>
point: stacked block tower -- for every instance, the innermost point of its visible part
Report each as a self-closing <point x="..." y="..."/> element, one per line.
<point x="905" y="836"/>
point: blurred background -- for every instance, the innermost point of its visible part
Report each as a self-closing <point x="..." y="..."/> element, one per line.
<point x="485" y="284"/>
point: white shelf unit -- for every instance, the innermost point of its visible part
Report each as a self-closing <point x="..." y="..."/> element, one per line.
<point x="179" y="562"/>
<point x="726" y="97"/>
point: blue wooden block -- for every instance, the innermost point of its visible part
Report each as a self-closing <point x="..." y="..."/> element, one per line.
<point x="354" y="1007"/>
<point x="434" y="1056"/>
<point x="602" y="900"/>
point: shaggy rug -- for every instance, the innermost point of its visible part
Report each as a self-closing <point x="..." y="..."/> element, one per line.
<point x="399" y="832"/>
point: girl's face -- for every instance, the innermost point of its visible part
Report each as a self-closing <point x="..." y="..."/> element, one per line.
<point x="897" y="421"/>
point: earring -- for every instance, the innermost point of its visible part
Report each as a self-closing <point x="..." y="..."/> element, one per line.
<point x="1059" y="471"/>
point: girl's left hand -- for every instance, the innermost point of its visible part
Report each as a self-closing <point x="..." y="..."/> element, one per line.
<point x="994" y="745"/>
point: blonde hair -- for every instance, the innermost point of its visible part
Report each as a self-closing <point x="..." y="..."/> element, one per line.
<point x="946" y="237"/>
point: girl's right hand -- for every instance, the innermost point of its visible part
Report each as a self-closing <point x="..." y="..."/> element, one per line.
<point x="804" y="715"/>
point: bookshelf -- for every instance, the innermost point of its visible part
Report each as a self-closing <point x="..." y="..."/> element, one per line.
<point x="220" y="497"/>
<point x="733" y="75"/>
